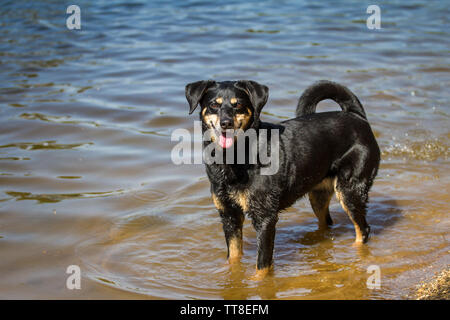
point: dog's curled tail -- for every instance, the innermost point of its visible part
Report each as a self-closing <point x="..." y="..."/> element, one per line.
<point x="324" y="89"/>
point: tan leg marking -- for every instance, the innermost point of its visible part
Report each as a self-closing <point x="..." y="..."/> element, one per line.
<point x="260" y="274"/>
<point x="217" y="202"/>
<point x="234" y="250"/>
<point x="359" y="234"/>
<point x="320" y="206"/>
<point x="320" y="209"/>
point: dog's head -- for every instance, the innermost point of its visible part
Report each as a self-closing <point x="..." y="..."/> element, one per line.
<point x="227" y="107"/>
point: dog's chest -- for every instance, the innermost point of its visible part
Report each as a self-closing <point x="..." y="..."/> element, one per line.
<point x="239" y="198"/>
<point x="230" y="188"/>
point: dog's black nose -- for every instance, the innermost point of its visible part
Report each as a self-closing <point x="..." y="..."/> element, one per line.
<point x="226" y="124"/>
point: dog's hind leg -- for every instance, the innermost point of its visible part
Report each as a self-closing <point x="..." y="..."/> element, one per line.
<point x="356" y="172"/>
<point x="355" y="207"/>
<point x="320" y="200"/>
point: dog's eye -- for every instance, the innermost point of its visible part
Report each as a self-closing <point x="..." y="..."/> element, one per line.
<point x="215" y="105"/>
<point x="238" y="106"/>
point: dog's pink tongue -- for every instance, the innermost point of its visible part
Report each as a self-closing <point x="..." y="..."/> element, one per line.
<point x="225" y="141"/>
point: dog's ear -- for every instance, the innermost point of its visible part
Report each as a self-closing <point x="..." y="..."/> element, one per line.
<point x="257" y="93"/>
<point x="194" y="92"/>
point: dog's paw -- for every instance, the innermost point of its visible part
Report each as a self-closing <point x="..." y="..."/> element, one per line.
<point x="260" y="274"/>
<point x="234" y="260"/>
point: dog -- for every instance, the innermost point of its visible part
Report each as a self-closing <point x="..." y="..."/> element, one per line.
<point x="320" y="154"/>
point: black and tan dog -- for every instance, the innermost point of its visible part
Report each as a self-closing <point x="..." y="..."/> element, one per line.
<point x="319" y="154"/>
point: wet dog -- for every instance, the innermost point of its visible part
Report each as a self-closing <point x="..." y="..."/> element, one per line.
<point x="320" y="154"/>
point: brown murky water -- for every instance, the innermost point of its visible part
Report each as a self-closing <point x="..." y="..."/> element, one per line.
<point x="86" y="176"/>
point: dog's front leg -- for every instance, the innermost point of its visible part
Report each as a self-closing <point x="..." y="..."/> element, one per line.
<point x="232" y="221"/>
<point x="265" y="229"/>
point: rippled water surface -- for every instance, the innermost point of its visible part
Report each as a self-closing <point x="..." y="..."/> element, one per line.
<point x="85" y="122"/>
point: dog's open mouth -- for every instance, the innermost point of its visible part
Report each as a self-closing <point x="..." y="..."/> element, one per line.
<point x="226" y="139"/>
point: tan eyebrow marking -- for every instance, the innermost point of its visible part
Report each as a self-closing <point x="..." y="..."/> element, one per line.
<point x="233" y="100"/>
<point x="219" y="100"/>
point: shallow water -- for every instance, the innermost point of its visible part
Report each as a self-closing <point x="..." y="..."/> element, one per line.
<point x="86" y="176"/>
